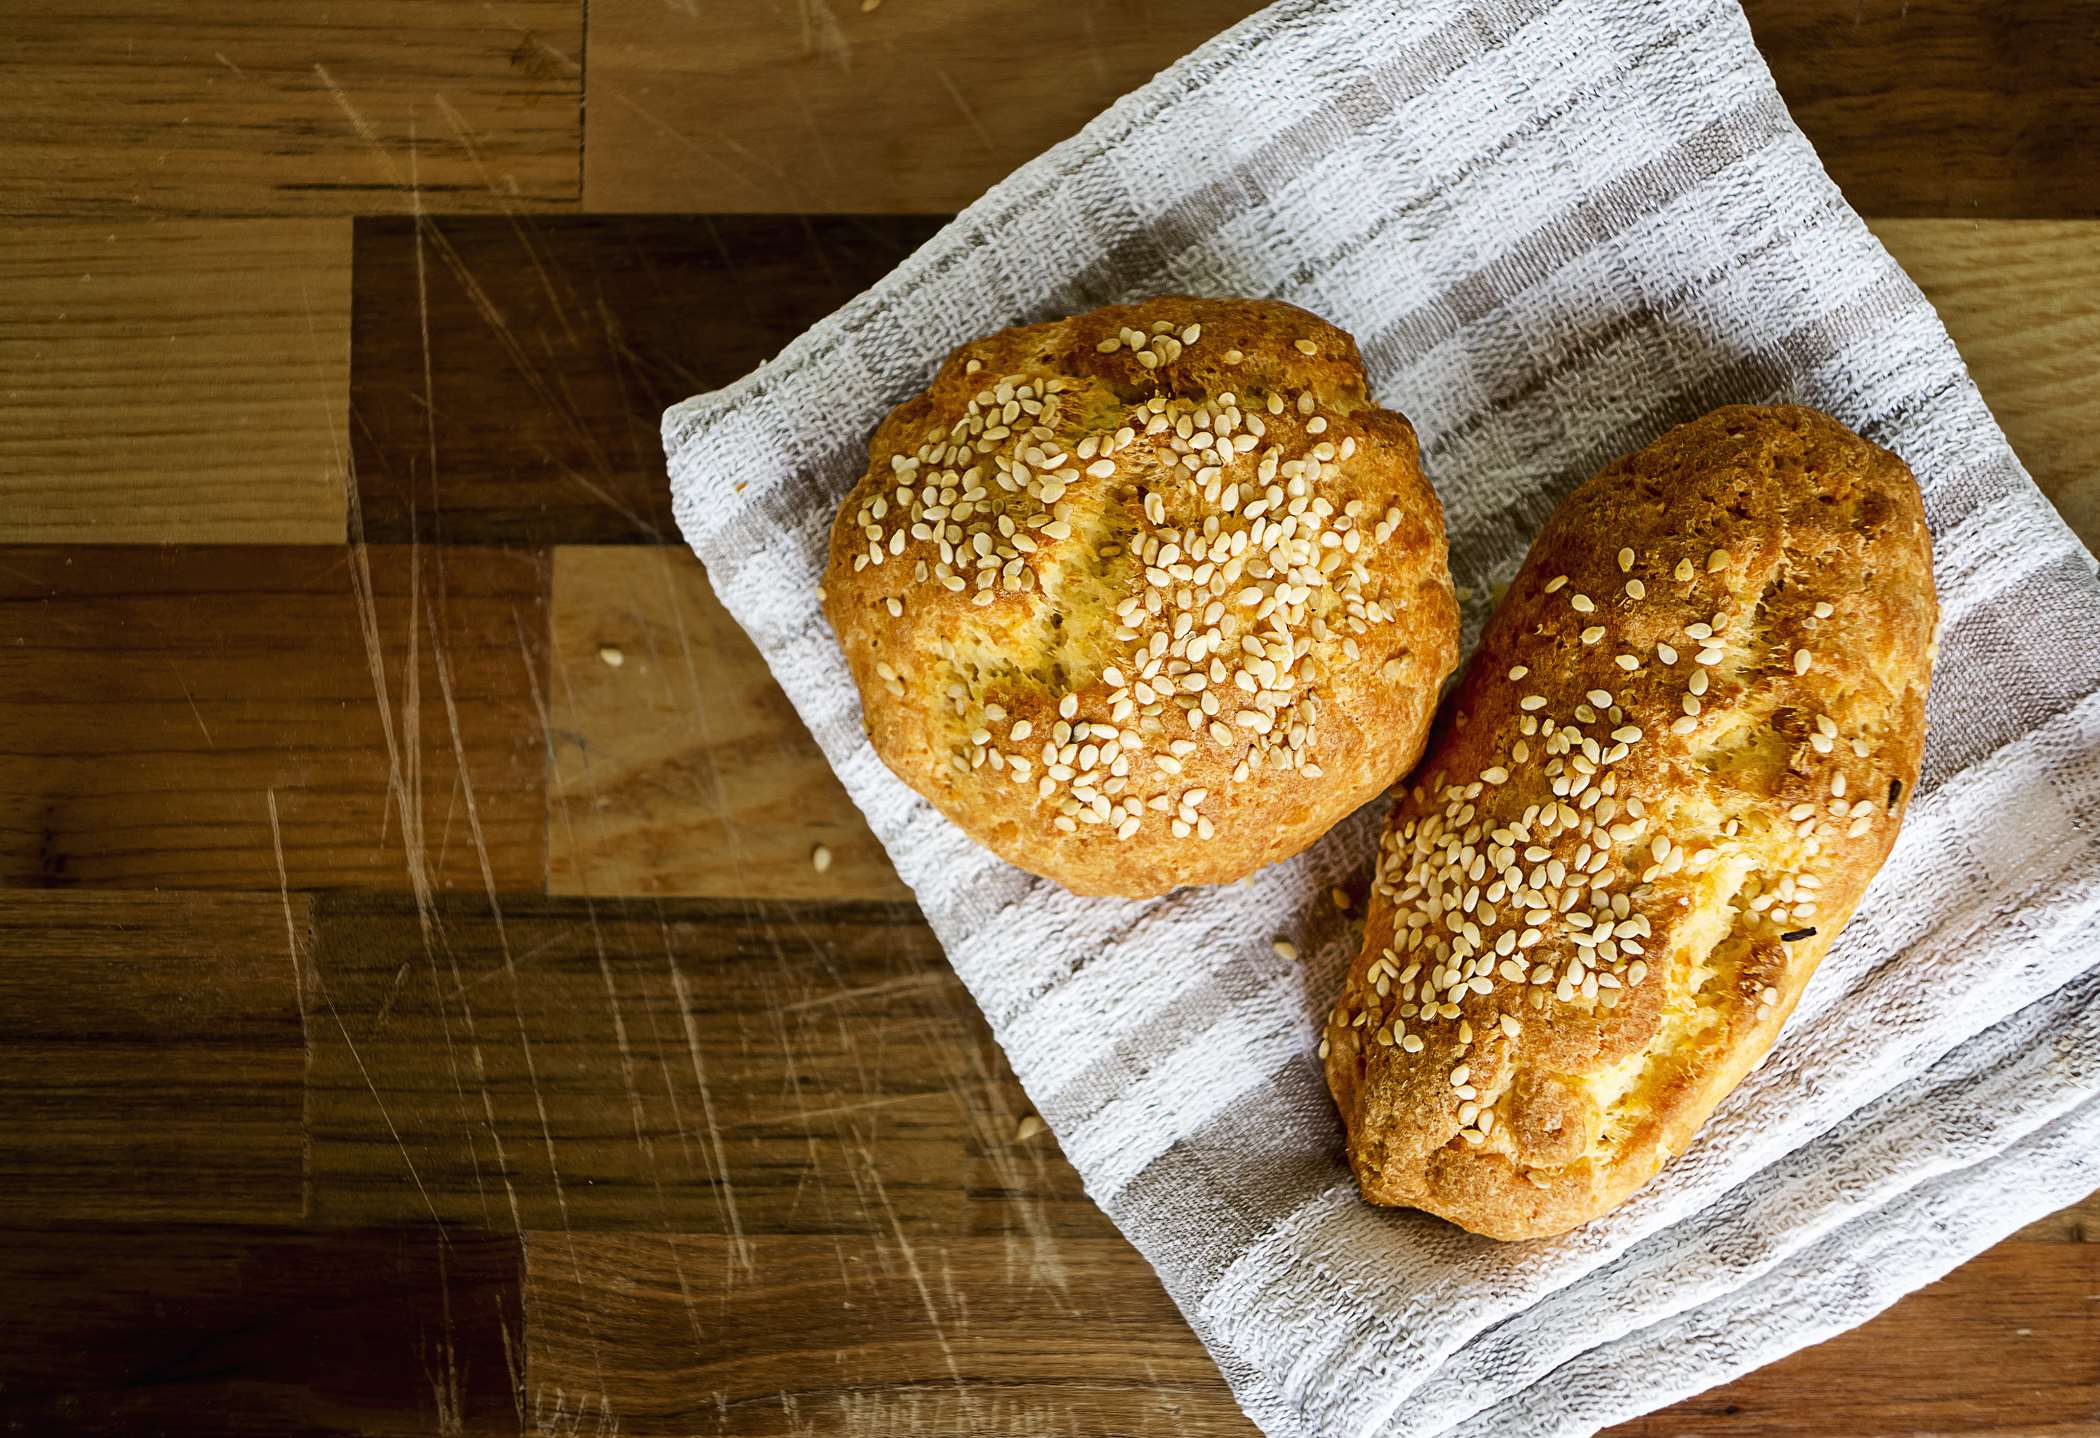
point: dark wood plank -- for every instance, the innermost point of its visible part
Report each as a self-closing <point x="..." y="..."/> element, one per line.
<point x="153" y="1058"/>
<point x="553" y="347"/>
<point x="2005" y="1345"/>
<point x="231" y="1331"/>
<point x="679" y="767"/>
<point x="156" y="699"/>
<point x="731" y="1068"/>
<point x="288" y="106"/>
<point x="857" y="1337"/>
<point x="1944" y="107"/>
<point x="182" y="382"/>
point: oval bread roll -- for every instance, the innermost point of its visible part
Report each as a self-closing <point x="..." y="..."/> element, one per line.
<point x="1678" y="757"/>
<point x="1149" y="596"/>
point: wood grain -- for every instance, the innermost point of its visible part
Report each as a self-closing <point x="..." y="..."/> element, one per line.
<point x="174" y="383"/>
<point x="2022" y="301"/>
<point x="157" y="699"/>
<point x="705" y="1068"/>
<point x="238" y="1331"/>
<point x="827" y="106"/>
<point x="1918" y="107"/>
<point x="508" y="376"/>
<point x="153" y="1057"/>
<point x="288" y="106"/>
<point x="877" y="1336"/>
<point x="2007" y="1344"/>
<point x="1944" y="107"/>
<point x="679" y="767"/>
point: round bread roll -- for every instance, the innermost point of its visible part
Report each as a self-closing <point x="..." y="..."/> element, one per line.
<point x="1146" y="597"/>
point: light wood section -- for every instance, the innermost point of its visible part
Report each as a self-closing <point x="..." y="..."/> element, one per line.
<point x="180" y="382"/>
<point x="2022" y="300"/>
<point x="152" y="1054"/>
<point x="831" y="105"/>
<point x="893" y="1333"/>
<point x="288" y="106"/>
<point x="159" y="702"/>
<point x="679" y="767"/>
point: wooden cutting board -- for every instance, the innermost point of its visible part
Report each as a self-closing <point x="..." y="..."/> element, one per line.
<point x="422" y="1011"/>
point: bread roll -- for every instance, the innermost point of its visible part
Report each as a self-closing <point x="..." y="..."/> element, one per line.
<point x="1678" y="757"/>
<point x="1146" y="597"/>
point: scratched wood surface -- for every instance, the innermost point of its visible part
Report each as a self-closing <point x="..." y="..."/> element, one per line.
<point x="425" y="1007"/>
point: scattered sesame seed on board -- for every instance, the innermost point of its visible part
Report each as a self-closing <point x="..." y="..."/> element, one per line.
<point x="820" y="858"/>
<point x="1027" y="1128"/>
<point x="612" y="655"/>
<point x="1285" y="950"/>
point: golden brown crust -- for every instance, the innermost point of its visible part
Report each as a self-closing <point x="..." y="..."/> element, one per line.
<point x="1768" y="576"/>
<point x="1146" y="597"/>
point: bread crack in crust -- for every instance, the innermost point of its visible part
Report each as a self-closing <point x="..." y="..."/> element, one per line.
<point x="1678" y="757"/>
<point x="1149" y="596"/>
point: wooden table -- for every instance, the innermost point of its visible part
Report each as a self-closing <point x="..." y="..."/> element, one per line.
<point x="420" y="1011"/>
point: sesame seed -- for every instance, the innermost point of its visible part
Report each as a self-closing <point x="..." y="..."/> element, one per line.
<point x="1801" y="661"/>
<point x="1518" y="671"/>
<point x="1556" y="584"/>
<point x="1824" y="609"/>
<point x="1697" y="683"/>
<point x="1068" y="706"/>
<point x="1581" y="604"/>
<point x="611" y="656"/>
<point x="1717" y="561"/>
<point x="1636" y="590"/>
<point x="1233" y="356"/>
<point x="1305" y="347"/>
<point x="1683" y="569"/>
<point x="1627" y="662"/>
<point x="1684" y="725"/>
<point x="1412" y="1043"/>
<point x="1027" y="1128"/>
<point x="1600" y="697"/>
<point x="1532" y="703"/>
<point x="1625" y="561"/>
<point x="820" y="858"/>
<point x="1666" y="654"/>
<point x="1109" y="346"/>
<point x="1592" y="634"/>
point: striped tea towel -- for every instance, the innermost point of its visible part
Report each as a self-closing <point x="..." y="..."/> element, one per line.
<point x="1557" y="227"/>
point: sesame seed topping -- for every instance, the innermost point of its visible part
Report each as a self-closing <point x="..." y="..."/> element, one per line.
<point x="1518" y="671"/>
<point x="1824" y="609"/>
<point x="1233" y="356"/>
<point x="1636" y="590"/>
<point x="1683" y="569"/>
<point x="1801" y="661"/>
<point x="1532" y="703"/>
<point x="1581" y="604"/>
<point x="1556" y="583"/>
<point x="1305" y="347"/>
<point x="1625" y="561"/>
<point x="1627" y="662"/>
<point x="1717" y="561"/>
<point x="1592" y="634"/>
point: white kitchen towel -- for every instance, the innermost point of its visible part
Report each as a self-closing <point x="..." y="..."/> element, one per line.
<point x="1557" y="228"/>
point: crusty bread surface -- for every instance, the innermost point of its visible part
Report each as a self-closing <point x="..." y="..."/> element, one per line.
<point x="1146" y="597"/>
<point x="1676" y="760"/>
